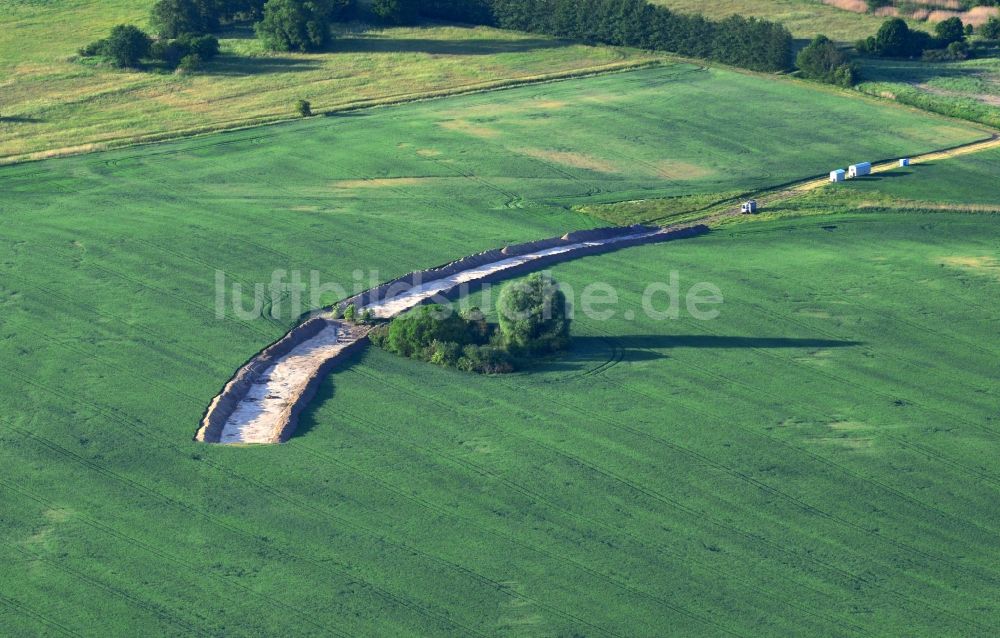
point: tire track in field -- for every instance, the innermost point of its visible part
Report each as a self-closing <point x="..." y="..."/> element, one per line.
<point x="112" y="532"/>
<point x="304" y="506"/>
<point x="542" y="498"/>
<point x="134" y="601"/>
<point x="31" y="613"/>
<point x="154" y="382"/>
<point x="325" y="564"/>
<point x="783" y="443"/>
<point x="512" y="539"/>
<point x="66" y="453"/>
<point x="889" y="355"/>
<point x="655" y="495"/>
<point x="807" y="410"/>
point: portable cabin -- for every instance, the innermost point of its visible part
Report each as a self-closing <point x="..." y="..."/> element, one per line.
<point x="904" y="162"/>
<point x="838" y="175"/>
<point x="749" y="208"/>
<point x="859" y="170"/>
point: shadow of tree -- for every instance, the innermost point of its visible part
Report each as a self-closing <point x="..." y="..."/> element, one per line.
<point x="241" y="66"/>
<point x="20" y="119"/>
<point x="654" y="342"/>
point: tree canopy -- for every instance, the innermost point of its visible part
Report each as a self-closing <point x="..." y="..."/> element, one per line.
<point x="533" y="315"/>
<point x="126" y="45"/>
<point x="822" y="60"/>
<point x="296" y="25"/>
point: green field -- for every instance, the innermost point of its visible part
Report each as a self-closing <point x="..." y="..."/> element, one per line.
<point x="819" y="461"/>
<point x="969" y="90"/>
<point x="51" y="103"/>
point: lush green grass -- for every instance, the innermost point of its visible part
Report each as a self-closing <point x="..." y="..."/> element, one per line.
<point x="969" y="90"/>
<point x="646" y="481"/>
<point x="53" y="103"/>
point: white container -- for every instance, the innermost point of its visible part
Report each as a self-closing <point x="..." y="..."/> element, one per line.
<point x="838" y="175"/>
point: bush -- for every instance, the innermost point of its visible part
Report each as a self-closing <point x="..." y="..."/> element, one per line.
<point x="823" y="61"/>
<point x="188" y="52"/>
<point x="172" y="18"/>
<point x="950" y="30"/>
<point x="126" y="45"/>
<point x="955" y="51"/>
<point x="533" y="315"/>
<point x="395" y="11"/>
<point x="991" y="30"/>
<point x="190" y="62"/>
<point x="303" y="108"/>
<point x="350" y="312"/>
<point x="296" y="25"/>
<point x="92" y="49"/>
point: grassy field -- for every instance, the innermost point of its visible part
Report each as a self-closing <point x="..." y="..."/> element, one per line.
<point x="804" y="18"/>
<point x="969" y="90"/>
<point x="51" y="103"/>
<point x="659" y="476"/>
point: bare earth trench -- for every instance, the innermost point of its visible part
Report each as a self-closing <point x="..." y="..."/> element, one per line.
<point x="266" y="410"/>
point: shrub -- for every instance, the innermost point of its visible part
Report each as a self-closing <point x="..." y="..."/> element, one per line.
<point x="991" y="30"/>
<point x="295" y="25"/>
<point x="349" y="312"/>
<point x="395" y="11"/>
<point x="950" y="30"/>
<point x="126" y="45"/>
<point x="190" y="62"/>
<point x="205" y="46"/>
<point x="893" y="38"/>
<point x="303" y="108"/>
<point x="176" y="53"/>
<point x="172" y="18"/>
<point x="488" y="359"/>
<point x="410" y="334"/>
<point x="823" y="61"/>
<point x="533" y="315"/>
<point x="92" y="49"/>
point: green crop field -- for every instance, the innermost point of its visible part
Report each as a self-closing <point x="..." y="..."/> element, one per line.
<point x="51" y="103"/>
<point x="818" y="461"/>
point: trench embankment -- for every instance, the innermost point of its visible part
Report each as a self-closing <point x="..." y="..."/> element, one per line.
<point x="263" y="400"/>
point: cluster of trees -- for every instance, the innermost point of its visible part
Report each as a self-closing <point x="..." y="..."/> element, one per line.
<point x="127" y="45"/>
<point x="750" y="43"/>
<point x="533" y="322"/>
<point x="823" y="61"/>
<point x="895" y="39"/>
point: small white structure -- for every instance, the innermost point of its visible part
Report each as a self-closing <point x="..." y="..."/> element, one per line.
<point x="749" y="208"/>
<point x="905" y="161"/>
<point x="859" y="170"/>
<point x="838" y="175"/>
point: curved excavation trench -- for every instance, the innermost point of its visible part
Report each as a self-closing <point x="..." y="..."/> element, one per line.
<point x="261" y="404"/>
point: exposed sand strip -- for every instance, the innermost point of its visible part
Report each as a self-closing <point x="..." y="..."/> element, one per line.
<point x="418" y="294"/>
<point x="262" y="407"/>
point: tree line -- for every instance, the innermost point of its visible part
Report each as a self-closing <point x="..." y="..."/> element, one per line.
<point x="750" y="43"/>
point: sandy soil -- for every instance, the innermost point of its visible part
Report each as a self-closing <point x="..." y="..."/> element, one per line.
<point x="262" y="415"/>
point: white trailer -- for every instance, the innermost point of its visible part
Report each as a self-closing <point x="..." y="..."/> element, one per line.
<point x="859" y="170"/>
<point x="905" y="161"/>
<point x="749" y="208"/>
<point x="838" y="175"/>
